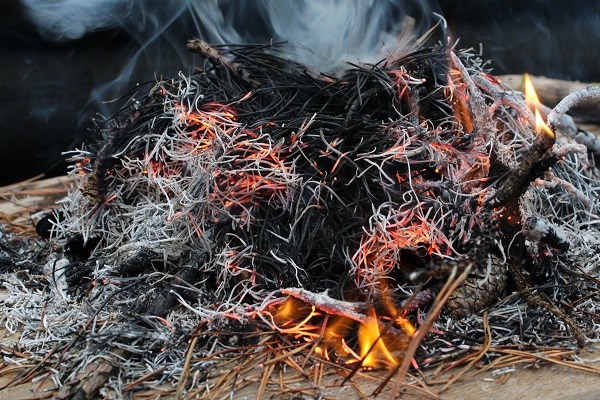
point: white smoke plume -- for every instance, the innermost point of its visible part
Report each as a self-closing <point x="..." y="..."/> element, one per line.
<point x="323" y="34"/>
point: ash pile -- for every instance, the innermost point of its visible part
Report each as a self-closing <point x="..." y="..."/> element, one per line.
<point x="208" y="200"/>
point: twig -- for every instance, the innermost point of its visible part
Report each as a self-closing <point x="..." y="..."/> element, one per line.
<point x="475" y="357"/>
<point x="536" y="160"/>
<point x="400" y="370"/>
<point x="480" y="116"/>
<point x="186" y="368"/>
<point x="577" y="97"/>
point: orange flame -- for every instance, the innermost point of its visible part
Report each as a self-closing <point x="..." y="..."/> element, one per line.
<point x="372" y="349"/>
<point x="286" y="311"/>
<point x="333" y="335"/>
<point x="533" y="102"/>
<point x="406" y="326"/>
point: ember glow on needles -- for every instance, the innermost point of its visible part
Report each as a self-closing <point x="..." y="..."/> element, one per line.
<point x="342" y="214"/>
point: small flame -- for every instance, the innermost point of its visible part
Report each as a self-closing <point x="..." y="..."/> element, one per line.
<point x="533" y="102"/>
<point x="530" y="93"/>
<point x="335" y="332"/>
<point x="372" y="349"/>
<point x="389" y="303"/>
<point x="286" y="311"/>
<point x="540" y="125"/>
<point x="406" y="326"/>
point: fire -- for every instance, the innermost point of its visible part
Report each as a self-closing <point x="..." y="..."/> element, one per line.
<point x="286" y="311"/>
<point x="372" y="349"/>
<point x="335" y="334"/>
<point x="343" y="339"/>
<point x="406" y="326"/>
<point x="533" y="102"/>
<point x="389" y="304"/>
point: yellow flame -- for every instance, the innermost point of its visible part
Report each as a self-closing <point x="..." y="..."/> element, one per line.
<point x="533" y="102"/>
<point x="390" y="305"/>
<point x="294" y="317"/>
<point x="540" y="125"/>
<point x="335" y="332"/>
<point x="367" y="335"/>
<point x="530" y="94"/>
<point x="407" y="327"/>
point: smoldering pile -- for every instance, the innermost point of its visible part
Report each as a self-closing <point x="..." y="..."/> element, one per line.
<point x="209" y="197"/>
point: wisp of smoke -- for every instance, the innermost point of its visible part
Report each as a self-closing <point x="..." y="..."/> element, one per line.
<point x="335" y="31"/>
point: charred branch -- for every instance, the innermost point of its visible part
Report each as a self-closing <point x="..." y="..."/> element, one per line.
<point x="536" y="161"/>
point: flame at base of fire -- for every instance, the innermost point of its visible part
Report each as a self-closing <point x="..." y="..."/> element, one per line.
<point x="372" y="348"/>
<point x="342" y="339"/>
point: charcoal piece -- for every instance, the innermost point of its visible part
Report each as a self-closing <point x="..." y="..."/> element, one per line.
<point x="542" y="233"/>
<point x="45" y="225"/>
<point x="166" y="298"/>
<point x="137" y="261"/>
<point x="79" y="275"/>
<point x="78" y="249"/>
<point x="12" y="259"/>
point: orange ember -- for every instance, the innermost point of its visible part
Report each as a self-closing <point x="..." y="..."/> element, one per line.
<point x="457" y="95"/>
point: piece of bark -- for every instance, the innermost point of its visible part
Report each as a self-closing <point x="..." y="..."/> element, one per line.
<point x="89" y="382"/>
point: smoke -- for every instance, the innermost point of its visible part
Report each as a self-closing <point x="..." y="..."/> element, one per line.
<point x="323" y="34"/>
<point x="61" y="20"/>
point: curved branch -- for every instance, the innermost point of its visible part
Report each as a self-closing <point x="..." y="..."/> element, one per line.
<point x="577" y="97"/>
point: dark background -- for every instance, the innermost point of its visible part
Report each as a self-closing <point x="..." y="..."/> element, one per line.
<point x="51" y="90"/>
